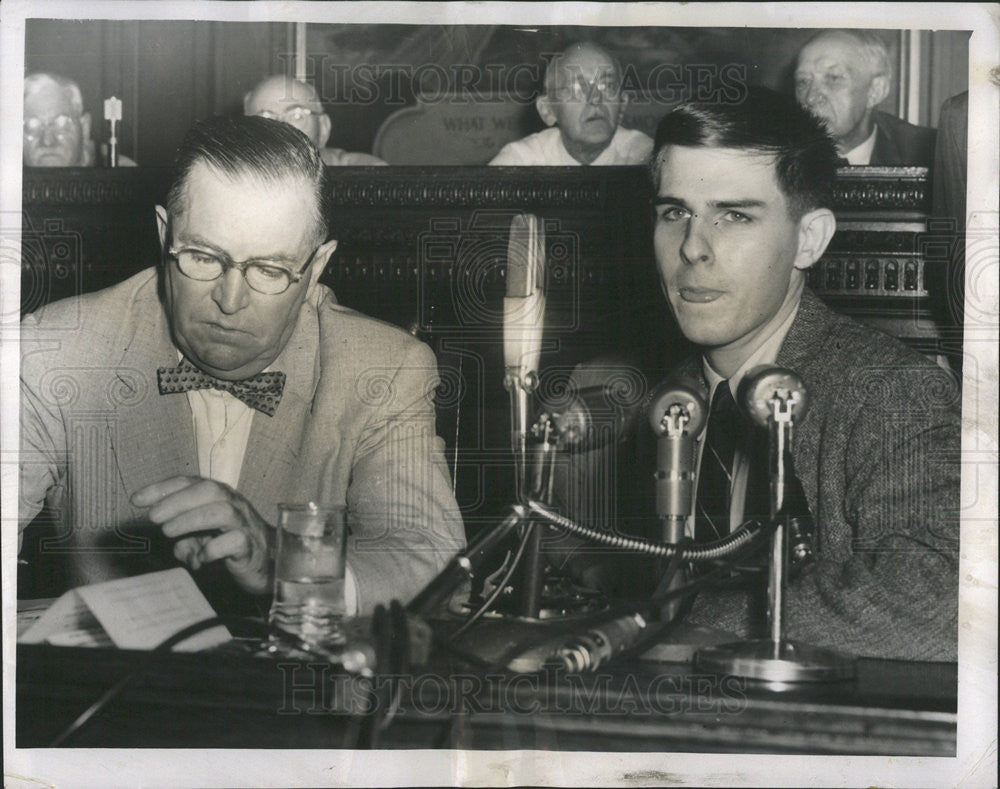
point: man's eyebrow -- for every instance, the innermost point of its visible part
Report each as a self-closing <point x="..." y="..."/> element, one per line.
<point x="275" y="257"/>
<point x="744" y="203"/>
<point x="668" y="199"/>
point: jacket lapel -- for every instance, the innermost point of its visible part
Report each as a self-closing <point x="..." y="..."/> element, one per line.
<point x="150" y="435"/>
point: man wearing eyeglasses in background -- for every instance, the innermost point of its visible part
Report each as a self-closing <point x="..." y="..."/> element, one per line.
<point x="297" y="103"/>
<point x="172" y="413"/>
<point x="56" y="129"/>
<point x="583" y="104"/>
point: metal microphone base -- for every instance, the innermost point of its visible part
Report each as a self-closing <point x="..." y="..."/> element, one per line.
<point x="776" y="661"/>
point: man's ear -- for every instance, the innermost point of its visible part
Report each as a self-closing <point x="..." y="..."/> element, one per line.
<point x="320" y="260"/>
<point x="878" y="89"/>
<point x="544" y="106"/>
<point x="324" y="130"/>
<point x="162" y="223"/>
<point x="815" y="231"/>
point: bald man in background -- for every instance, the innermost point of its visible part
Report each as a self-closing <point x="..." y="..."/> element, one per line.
<point x="840" y="77"/>
<point x="583" y="103"/>
<point x="297" y="104"/>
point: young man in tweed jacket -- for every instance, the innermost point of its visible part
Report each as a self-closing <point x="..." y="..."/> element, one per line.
<point x="742" y="196"/>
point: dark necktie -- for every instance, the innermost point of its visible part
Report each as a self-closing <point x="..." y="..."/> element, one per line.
<point x="722" y="435"/>
<point x="261" y="392"/>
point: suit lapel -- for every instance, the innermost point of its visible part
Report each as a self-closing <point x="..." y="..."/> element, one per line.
<point x="151" y="435"/>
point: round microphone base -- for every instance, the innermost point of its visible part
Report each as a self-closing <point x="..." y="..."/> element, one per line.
<point x="776" y="661"/>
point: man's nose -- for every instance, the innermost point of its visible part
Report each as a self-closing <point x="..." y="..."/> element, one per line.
<point x="697" y="245"/>
<point x="594" y="94"/>
<point x="48" y="136"/>
<point x="231" y="292"/>
<point x="814" y="95"/>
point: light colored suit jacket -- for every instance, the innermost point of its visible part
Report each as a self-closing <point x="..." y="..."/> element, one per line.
<point x="355" y="425"/>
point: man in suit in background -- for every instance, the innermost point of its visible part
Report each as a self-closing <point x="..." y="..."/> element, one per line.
<point x="841" y="76"/>
<point x="297" y="103"/>
<point x="742" y="196"/>
<point x="198" y="394"/>
<point x="583" y="103"/>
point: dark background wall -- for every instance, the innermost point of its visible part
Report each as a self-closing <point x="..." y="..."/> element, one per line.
<point x="170" y="73"/>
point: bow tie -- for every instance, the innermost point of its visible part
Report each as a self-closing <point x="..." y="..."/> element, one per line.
<point x="261" y="391"/>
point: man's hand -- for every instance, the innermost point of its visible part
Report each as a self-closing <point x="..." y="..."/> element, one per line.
<point x="188" y="507"/>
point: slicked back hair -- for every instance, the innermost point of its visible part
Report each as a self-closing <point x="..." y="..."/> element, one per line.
<point x="767" y="123"/>
<point x="238" y="146"/>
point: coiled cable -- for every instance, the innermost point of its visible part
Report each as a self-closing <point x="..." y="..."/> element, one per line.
<point x="706" y="552"/>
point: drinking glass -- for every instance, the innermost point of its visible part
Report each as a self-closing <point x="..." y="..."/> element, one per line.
<point x="309" y="574"/>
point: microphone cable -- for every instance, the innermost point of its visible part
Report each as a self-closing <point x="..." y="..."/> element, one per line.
<point x="704" y="552"/>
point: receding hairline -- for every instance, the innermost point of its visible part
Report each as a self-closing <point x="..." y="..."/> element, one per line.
<point x="284" y="82"/>
<point x="870" y="46"/>
<point x="557" y="64"/>
<point x="34" y="83"/>
<point x="178" y="199"/>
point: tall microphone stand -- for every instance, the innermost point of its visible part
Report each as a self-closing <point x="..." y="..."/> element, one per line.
<point x="776" y="398"/>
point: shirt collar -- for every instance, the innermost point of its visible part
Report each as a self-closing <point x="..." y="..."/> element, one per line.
<point x="862" y="154"/>
<point x="765" y="353"/>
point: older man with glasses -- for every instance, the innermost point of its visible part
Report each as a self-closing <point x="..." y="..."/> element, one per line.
<point x="583" y="103"/>
<point x="171" y="413"/>
<point x="56" y="129"/>
<point x="297" y="104"/>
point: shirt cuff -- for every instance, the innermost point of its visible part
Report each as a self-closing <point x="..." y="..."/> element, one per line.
<point x="350" y="593"/>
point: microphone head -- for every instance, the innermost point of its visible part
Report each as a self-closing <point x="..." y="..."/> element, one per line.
<point x="677" y="391"/>
<point x="760" y="385"/>
<point x="590" y="419"/>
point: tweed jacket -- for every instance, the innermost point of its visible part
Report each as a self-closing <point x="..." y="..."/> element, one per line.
<point x="900" y="143"/>
<point x="878" y="458"/>
<point x="355" y="425"/>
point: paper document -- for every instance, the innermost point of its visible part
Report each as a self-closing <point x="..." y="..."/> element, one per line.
<point x="129" y="613"/>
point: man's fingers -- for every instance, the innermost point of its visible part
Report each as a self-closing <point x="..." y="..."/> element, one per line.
<point x="202" y="517"/>
<point x="199" y="494"/>
<point x="228" y="545"/>
<point x="151" y="494"/>
<point x="188" y="551"/>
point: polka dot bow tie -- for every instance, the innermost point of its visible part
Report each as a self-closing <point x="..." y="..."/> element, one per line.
<point x="261" y="391"/>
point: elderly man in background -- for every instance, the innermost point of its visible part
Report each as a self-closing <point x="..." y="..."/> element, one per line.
<point x="841" y="76"/>
<point x="56" y="129"/>
<point x="583" y="104"/>
<point x="169" y="414"/>
<point x="297" y="103"/>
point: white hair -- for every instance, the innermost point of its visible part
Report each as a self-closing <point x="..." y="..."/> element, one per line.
<point x="36" y="82"/>
<point x="871" y="46"/>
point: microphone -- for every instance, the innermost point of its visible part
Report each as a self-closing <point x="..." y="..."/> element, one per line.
<point x="590" y="419"/>
<point x="523" y="321"/>
<point x="677" y="414"/>
<point x="775" y="397"/>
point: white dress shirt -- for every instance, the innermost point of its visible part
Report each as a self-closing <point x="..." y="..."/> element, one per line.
<point x="221" y="429"/>
<point x="766" y="353"/>
<point x="862" y="154"/>
<point x="545" y="148"/>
